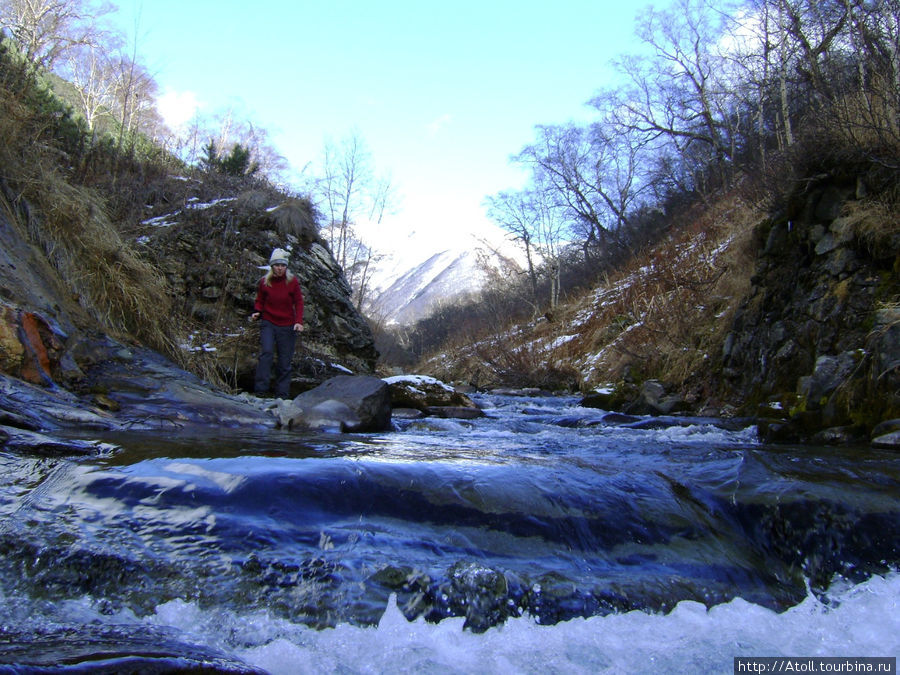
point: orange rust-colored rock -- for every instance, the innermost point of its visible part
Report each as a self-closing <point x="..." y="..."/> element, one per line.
<point x="36" y="365"/>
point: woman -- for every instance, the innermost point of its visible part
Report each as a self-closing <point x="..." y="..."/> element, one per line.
<point x="279" y="308"/>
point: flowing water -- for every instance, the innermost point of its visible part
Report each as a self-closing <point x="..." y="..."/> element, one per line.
<point x="543" y="538"/>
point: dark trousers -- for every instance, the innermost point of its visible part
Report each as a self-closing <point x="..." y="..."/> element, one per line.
<point x="275" y="342"/>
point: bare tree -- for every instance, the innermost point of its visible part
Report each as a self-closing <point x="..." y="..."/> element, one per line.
<point x="870" y="114"/>
<point x="814" y="25"/>
<point x="90" y="71"/>
<point x="348" y="192"/>
<point x="46" y="29"/>
<point x="382" y="203"/>
<point x="593" y="174"/>
<point x="134" y="97"/>
<point x="534" y="218"/>
<point x="675" y="92"/>
<point x="516" y="213"/>
<point x="347" y="173"/>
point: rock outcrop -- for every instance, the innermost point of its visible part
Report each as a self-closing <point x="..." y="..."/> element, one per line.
<point x="816" y="344"/>
<point x="213" y="253"/>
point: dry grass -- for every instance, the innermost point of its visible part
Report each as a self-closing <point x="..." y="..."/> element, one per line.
<point x="122" y="292"/>
<point x="865" y="122"/>
<point x="876" y="223"/>
<point x="664" y="315"/>
<point x="667" y="314"/>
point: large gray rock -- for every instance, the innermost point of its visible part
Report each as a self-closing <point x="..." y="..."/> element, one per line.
<point x="829" y="373"/>
<point x="346" y="402"/>
<point x="655" y="399"/>
<point x="889" y="441"/>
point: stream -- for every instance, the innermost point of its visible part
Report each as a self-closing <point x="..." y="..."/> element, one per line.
<point x="542" y="538"/>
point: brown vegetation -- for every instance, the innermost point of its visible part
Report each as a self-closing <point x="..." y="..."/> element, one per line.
<point x="70" y="222"/>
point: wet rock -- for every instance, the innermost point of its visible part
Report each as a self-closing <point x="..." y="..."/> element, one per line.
<point x="24" y="442"/>
<point x="620" y="418"/>
<point x="480" y="594"/>
<point x="10" y="419"/>
<point x="576" y="422"/>
<point x="886" y="427"/>
<point x="829" y="373"/>
<point x="888" y="441"/>
<point x="776" y="431"/>
<point x="30" y="347"/>
<point x="553" y="598"/>
<point x="654" y="399"/>
<point x="839" y="435"/>
<point x="407" y="414"/>
<point x="606" y="398"/>
<point x="142" y="390"/>
<point x="346" y="402"/>
<point x="423" y="393"/>
<point x="35" y="408"/>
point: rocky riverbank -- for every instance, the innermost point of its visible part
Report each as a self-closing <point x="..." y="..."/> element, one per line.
<point x="814" y="349"/>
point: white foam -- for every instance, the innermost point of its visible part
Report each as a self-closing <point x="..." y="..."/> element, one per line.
<point x="860" y="620"/>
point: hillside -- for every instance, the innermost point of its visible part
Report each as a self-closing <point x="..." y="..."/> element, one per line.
<point x="789" y="316"/>
<point x="633" y="324"/>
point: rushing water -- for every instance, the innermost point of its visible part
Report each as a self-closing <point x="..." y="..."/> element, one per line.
<point x="542" y="538"/>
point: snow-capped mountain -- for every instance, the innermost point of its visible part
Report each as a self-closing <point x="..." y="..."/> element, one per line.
<point x="407" y="287"/>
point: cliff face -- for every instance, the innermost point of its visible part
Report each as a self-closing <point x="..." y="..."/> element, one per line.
<point x="816" y="343"/>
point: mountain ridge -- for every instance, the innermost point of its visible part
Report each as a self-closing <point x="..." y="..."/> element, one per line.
<point x="414" y="286"/>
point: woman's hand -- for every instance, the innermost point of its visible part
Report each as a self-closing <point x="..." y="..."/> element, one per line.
<point x="298" y="327"/>
<point x="254" y="316"/>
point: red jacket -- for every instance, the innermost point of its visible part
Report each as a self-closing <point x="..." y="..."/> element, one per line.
<point x="281" y="303"/>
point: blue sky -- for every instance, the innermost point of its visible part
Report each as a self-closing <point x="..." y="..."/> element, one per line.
<point x="442" y="93"/>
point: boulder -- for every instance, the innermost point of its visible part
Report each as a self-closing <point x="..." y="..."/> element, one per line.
<point x="886" y="427"/>
<point x="424" y="393"/>
<point x="407" y="414"/>
<point x="654" y="399"/>
<point x="616" y="397"/>
<point x="350" y="403"/>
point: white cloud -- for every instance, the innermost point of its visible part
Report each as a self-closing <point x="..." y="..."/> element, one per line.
<point x="177" y="107"/>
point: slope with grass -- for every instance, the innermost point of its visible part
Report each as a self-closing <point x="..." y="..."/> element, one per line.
<point x="788" y="315"/>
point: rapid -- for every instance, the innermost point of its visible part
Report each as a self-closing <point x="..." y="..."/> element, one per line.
<point x="544" y="537"/>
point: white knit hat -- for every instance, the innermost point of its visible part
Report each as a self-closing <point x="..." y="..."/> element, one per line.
<point x="279" y="256"/>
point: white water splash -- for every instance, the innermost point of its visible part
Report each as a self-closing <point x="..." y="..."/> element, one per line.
<point x="861" y="620"/>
